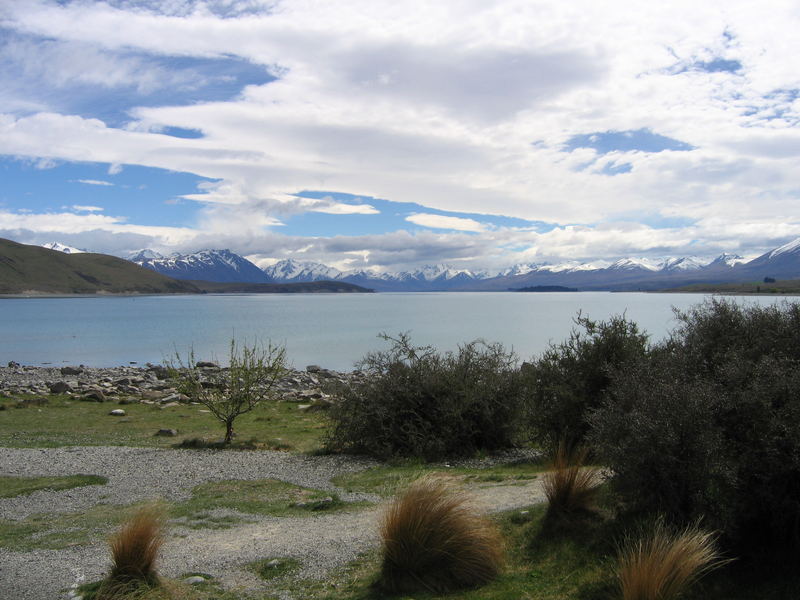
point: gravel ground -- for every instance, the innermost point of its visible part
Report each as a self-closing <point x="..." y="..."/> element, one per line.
<point x="320" y="543"/>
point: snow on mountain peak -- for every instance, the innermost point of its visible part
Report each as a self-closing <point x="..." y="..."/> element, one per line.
<point x="686" y="263"/>
<point x="300" y="270"/>
<point x="789" y="248"/>
<point x="59" y="247"/>
<point x="142" y="255"/>
<point x="630" y="264"/>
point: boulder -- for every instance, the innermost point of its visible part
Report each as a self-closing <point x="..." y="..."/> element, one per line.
<point x="117" y="412"/>
<point x="60" y="387"/>
<point x="71" y="370"/>
<point x="205" y="364"/>
<point x="167" y="432"/>
<point x="94" y="396"/>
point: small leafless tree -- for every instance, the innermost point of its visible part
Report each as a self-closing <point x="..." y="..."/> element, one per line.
<point x="229" y="392"/>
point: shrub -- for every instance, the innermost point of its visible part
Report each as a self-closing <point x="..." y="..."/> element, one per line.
<point x="661" y="565"/>
<point x="134" y="551"/>
<point x="707" y="426"/>
<point x="570" y="379"/>
<point x="570" y="487"/>
<point x="434" y="541"/>
<point x="420" y="403"/>
<point x="227" y="393"/>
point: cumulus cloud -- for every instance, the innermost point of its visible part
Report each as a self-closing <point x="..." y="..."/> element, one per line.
<point x="465" y="107"/>
<point x="444" y="222"/>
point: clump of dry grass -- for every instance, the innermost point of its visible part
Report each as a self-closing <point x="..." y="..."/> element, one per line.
<point x="134" y="551"/>
<point x="664" y="563"/>
<point x="570" y="487"/>
<point x="434" y="540"/>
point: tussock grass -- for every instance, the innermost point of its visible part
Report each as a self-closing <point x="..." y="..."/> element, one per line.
<point x="434" y="540"/>
<point x="570" y="487"/>
<point x="663" y="564"/>
<point x="134" y="551"/>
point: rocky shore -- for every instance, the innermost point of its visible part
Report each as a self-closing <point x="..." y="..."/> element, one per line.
<point x="151" y="384"/>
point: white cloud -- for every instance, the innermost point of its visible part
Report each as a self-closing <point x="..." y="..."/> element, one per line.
<point x="444" y="222"/>
<point x="459" y="106"/>
<point x="94" y="182"/>
<point x="340" y="208"/>
<point x="86" y="208"/>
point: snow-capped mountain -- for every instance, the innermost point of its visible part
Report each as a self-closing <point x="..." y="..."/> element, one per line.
<point x="623" y="274"/>
<point x="633" y="264"/>
<point x="686" y="263"/>
<point x="143" y="255"/>
<point x="296" y="270"/>
<point x="59" y="247"/>
<point x="206" y="265"/>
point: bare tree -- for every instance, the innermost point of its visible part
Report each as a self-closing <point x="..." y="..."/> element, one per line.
<point x="229" y="392"/>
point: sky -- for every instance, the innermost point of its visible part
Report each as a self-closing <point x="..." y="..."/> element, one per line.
<point x="387" y="135"/>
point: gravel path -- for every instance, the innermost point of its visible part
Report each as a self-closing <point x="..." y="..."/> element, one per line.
<point x="320" y="543"/>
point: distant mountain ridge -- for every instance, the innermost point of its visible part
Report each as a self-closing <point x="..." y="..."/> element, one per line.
<point x="222" y="266"/>
<point x="624" y="274"/>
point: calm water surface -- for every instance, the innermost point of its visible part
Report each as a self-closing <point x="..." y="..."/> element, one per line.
<point x="330" y="330"/>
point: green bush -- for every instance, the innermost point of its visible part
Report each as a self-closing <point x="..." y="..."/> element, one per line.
<point x="708" y="425"/>
<point x="416" y="402"/>
<point x="570" y="378"/>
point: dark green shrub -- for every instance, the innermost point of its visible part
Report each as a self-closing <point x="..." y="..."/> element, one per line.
<point x="420" y="403"/>
<point x="570" y="378"/>
<point x="708" y="425"/>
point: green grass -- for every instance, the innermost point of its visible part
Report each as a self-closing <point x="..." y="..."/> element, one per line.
<point x="68" y="422"/>
<point x="61" y="530"/>
<point x="258" y="497"/>
<point x="18" y="486"/>
<point x="272" y="568"/>
<point x="387" y="480"/>
<point x="559" y="569"/>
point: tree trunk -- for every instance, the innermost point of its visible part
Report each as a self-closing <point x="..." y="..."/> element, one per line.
<point x="228" y="432"/>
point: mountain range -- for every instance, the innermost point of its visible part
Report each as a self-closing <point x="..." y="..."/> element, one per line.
<point x="624" y="274"/>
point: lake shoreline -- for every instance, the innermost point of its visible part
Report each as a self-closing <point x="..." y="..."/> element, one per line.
<point x="148" y="384"/>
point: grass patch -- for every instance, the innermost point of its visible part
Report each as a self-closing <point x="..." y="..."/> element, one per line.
<point x="64" y="421"/>
<point x="17" y="486"/>
<point x="260" y="497"/>
<point x="387" y="480"/>
<point x="61" y="530"/>
<point x="170" y="589"/>
<point x="272" y="568"/>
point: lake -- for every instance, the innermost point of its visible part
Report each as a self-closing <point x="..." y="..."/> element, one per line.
<point x="331" y="330"/>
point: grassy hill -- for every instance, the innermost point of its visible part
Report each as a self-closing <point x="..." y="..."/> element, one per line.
<point x="31" y="269"/>
<point x="781" y="287"/>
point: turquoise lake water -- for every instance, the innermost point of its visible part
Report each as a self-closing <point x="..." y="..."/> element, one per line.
<point x="331" y="330"/>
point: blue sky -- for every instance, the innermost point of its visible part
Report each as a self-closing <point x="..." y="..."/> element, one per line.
<point x="383" y="135"/>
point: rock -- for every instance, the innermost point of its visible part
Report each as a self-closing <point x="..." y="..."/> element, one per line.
<point x="71" y="370"/>
<point x="159" y="371"/>
<point x="117" y="412"/>
<point x="167" y="432"/>
<point x="205" y="364"/>
<point x="171" y="398"/>
<point x="320" y="504"/>
<point x="13" y="364"/>
<point x="127" y="400"/>
<point x="303" y="406"/>
<point x="194" y="580"/>
<point x="60" y="387"/>
<point x="313" y="369"/>
<point x="94" y="396"/>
